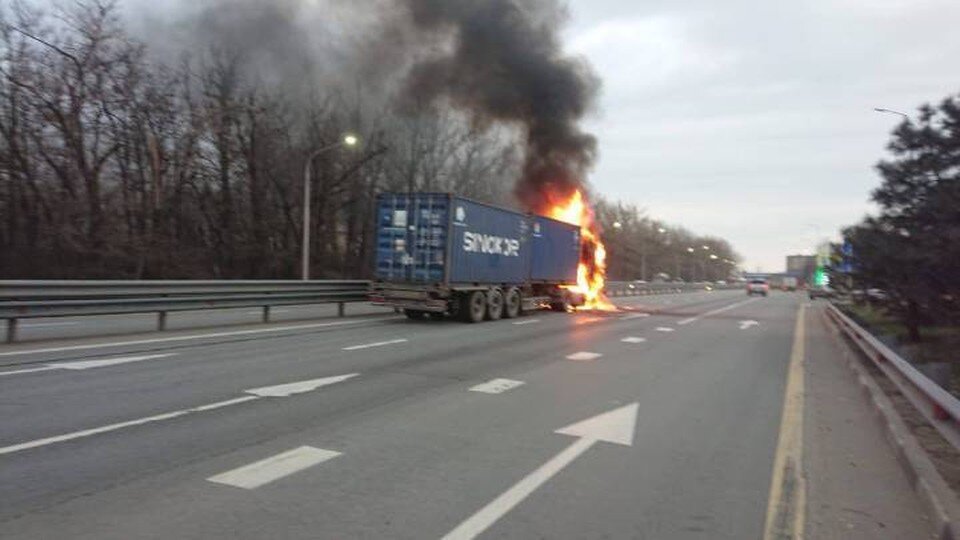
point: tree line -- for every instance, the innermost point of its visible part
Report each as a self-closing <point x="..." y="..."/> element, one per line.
<point x="911" y="248"/>
<point x="643" y="248"/>
<point x="115" y="164"/>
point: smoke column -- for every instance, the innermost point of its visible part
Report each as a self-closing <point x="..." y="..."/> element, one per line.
<point x="505" y="64"/>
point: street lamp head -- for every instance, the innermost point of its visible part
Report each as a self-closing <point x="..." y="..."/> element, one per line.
<point x="661" y="230"/>
<point x="690" y="250"/>
<point x="706" y="248"/>
<point x="713" y="256"/>
<point x="617" y="225"/>
<point x="350" y="139"/>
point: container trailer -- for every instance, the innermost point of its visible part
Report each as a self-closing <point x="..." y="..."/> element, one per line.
<point x="438" y="254"/>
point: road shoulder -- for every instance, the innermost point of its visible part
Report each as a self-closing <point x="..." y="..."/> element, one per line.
<point x="855" y="487"/>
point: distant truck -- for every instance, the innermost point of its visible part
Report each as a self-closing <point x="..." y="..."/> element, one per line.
<point x="438" y="254"/>
<point x="789" y="283"/>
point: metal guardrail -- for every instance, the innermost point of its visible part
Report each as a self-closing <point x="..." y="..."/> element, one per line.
<point x="632" y="288"/>
<point x="21" y="299"/>
<point x="941" y="408"/>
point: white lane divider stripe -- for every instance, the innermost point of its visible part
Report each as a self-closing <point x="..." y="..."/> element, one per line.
<point x="274" y="468"/>
<point x="187" y="338"/>
<point x="687" y="321"/>
<point x="528" y="321"/>
<point x="496" y="386"/>
<point x="664" y="329"/>
<point x="633" y="339"/>
<point x="283" y="390"/>
<point x="376" y="344"/>
<point x="634" y="316"/>
<point x="584" y="356"/>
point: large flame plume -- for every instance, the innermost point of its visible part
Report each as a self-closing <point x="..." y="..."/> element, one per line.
<point x="573" y="208"/>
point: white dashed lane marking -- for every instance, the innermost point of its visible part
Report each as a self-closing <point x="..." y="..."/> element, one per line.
<point x="496" y="386"/>
<point x="664" y="329"/>
<point x="528" y="321"/>
<point x="632" y="339"/>
<point x="274" y="468"/>
<point x="584" y="356"/>
<point x="377" y="344"/>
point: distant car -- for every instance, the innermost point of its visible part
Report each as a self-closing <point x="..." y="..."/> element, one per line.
<point x="821" y="291"/>
<point x="758" y="286"/>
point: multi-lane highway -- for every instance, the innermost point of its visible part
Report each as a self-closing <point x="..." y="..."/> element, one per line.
<point x="665" y="419"/>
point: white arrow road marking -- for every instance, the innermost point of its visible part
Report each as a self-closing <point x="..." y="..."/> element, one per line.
<point x="664" y="329"/>
<point x="30" y="370"/>
<point x="632" y="339"/>
<point x="528" y="321"/>
<point x="616" y="426"/>
<point x="634" y="316"/>
<point x="584" y="356"/>
<point x="747" y="324"/>
<point x="282" y="390"/>
<point x="299" y="387"/>
<point x="496" y="386"/>
<point x="714" y="312"/>
<point x="88" y="364"/>
<point x="273" y="468"/>
<point x="376" y="344"/>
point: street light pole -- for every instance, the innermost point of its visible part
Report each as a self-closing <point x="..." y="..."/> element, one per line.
<point x="349" y="140"/>
<point x="891" y="111"/>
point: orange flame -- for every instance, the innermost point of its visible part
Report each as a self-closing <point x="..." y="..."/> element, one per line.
<point x="592" y="270"/>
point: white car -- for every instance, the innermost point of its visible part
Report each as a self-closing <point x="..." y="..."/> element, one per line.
<point x="758" y="286"/>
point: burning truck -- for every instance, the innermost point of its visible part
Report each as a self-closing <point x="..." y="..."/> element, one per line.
<point x="438" y="254"/>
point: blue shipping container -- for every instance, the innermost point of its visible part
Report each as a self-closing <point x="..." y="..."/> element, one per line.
<point x="437" y="238"/>
<point x="556" y="251"/>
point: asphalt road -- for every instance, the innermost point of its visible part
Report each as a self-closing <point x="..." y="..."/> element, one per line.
<point x="374" y="426"/>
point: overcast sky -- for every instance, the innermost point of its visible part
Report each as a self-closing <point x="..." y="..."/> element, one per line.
<point x="753" y="119"/>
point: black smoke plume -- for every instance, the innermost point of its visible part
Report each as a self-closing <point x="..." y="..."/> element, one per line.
<point x="505" y="64"/>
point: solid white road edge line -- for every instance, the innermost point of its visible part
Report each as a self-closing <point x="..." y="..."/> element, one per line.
<point x="31" y="370"/>
<point x="376" y="344"/>
<point x="283" y="390"/>
<point x="274" y="468"/>
<point x="186" y="338"/>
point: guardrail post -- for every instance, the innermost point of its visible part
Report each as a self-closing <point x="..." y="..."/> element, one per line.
<point x="266" y="314"/>
<point x="161" y="320"/>
<point x="340" y="309"/>
<point x="11" y="330"/>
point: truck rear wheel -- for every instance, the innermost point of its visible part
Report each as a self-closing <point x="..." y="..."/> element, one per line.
<point x="512" y="302"/>
<point x="494" y="304"/>
<point x="473" y="306"/>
